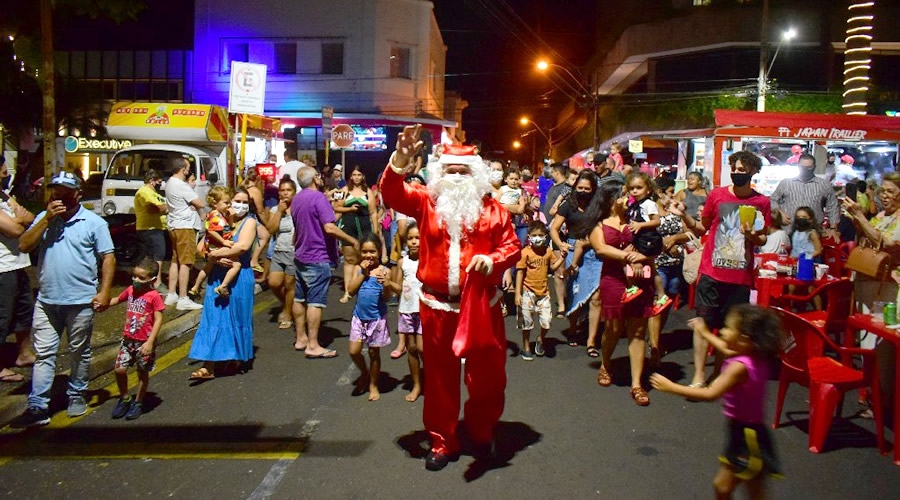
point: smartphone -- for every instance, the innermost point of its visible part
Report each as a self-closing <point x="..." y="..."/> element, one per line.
<point x="852" y="188"/>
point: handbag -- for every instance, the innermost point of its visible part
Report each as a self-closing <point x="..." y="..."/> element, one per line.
<point x="690" y="268"/>
<point x="872" y="262"/>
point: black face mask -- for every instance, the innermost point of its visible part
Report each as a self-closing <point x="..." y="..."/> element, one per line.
<point x="69" y="201"/>
<point x="740" y="180"/>
<point x="583" y="197"/>
<point x="526" y="178"/>
<point x="806" y="173"/>
<point x="802" y="224"/>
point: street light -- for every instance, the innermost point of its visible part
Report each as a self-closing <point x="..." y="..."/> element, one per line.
<point x="764" y="71"/>
<point x="517" y="144"/>
<point x="525" y="121"/>
<point x="581" y="89"/>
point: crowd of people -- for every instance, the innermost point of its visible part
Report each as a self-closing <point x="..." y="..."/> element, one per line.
<point x="602" y="246"/>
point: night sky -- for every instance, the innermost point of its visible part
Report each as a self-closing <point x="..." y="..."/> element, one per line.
<point x="493" y="46"/>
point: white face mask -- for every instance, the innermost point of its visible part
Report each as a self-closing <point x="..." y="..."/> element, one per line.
<point x="537" y="240"/>
<point x="495" y="177"/>
<point x="240" y="208"/>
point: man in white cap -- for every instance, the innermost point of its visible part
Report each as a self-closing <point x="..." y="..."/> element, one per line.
<point x="467" y="241"/>
<point x="73" y="243"/>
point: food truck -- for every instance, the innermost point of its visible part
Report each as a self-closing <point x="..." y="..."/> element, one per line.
<point x="864" y="146"/>
<point x="199" y="133"/>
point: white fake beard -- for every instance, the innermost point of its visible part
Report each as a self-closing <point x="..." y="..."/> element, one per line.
<point x="458" y="204"/>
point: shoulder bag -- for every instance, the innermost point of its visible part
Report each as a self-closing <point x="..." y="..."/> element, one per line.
<point x="690" y="268"/>
<point x="872" y="262"/>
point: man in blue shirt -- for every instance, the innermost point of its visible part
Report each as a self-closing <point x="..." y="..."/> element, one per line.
<point x="72" y="243"/>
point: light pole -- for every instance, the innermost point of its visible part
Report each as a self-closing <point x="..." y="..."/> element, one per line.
<point x="580" y="88"/>
<point x="525" y="121"/>
<point x="764" y="69"/>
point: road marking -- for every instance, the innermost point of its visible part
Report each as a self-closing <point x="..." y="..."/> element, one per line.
<point x="289" y="450"/>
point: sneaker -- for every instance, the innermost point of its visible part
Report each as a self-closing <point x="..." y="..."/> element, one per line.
<point x="186" y="304"/>
<point x="539" y="348"/>
<point x="77" y="407"/>
<point x="527" y="355"/>
<point x="171" y="299"/>
<point x="122" y="406"/>
<point x="32" y="417"/>
<point x="134" y="411"/>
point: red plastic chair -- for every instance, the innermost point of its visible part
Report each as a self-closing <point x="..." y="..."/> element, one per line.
<point x="839" y="305"/>
<point x="836" y="258"/>
<point x="803" y="361"/>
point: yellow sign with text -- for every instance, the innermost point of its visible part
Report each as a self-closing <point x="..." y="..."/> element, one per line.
<point x="636" y="146"/>
<point x="167" y="121"/>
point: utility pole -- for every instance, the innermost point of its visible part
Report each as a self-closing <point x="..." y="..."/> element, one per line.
<point x="763" y="56"/>
<point x="49" y="119"/>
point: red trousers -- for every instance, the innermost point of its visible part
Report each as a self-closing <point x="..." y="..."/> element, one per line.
<point x="485" y="378"/>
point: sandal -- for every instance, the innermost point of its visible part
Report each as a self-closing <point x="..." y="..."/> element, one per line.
<point x="661" y="304"/>
<point x="630" y="294"/>
<point x="397" y="353"/>
<point x="345" y="298"/>
<point x="603" y="377"/>
<point x="285" y="324"/>
<point x="640" y="397"/>
<point x="593" y="352"/>
<point x="561" y="314"/>
<point x="202" y="374"/>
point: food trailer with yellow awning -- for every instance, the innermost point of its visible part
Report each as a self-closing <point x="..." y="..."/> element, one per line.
<point x="199" y="133"/>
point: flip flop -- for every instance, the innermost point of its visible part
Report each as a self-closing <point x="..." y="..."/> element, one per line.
<point x="285" y="324"/>
<point x="397" y="353"/>
<point x="328" y="354"/>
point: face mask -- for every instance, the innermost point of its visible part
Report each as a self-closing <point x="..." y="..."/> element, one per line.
<point x="806" y="174"/>
<point x="740" y="180"/>
<point x="802" y="224"/>
<point x="240" y="209"/>
<point x="495" y="177"/>
<point x="537" y="240"/>
<point x="583" y="197"/>
<point x="70" y="202"/>
<point x="526" y="177"/>
<point x="455" y="179"/>
<point x="140" y="285"/>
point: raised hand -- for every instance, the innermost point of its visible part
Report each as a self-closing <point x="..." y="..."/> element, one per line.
<point x="408" y="146"/>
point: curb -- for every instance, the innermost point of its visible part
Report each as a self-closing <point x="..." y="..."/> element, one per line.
<point x="103" y="362"/>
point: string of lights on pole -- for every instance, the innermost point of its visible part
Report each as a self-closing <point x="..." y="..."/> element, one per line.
<point x="857" y="56"/>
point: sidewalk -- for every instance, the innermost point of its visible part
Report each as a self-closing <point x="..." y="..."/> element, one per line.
<point x="105" y="345"/>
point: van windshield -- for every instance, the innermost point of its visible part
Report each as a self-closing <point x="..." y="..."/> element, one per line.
<point x="132" y="165"/>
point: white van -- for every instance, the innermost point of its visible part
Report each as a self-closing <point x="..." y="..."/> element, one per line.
<point x="125" y="174"/>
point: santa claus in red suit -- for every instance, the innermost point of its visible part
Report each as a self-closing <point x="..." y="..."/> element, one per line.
<point x="466" y="242"/>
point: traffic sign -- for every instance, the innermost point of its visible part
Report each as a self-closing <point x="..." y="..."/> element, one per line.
<point x="327" y="116"/>
<point x="247" y="92"/>
<point x="343" y="136"/>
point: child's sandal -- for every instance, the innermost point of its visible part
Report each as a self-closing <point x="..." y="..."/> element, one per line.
<point x="640" y="396"/>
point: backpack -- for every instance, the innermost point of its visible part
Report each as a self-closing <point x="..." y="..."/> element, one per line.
<point x="648" y="242"/>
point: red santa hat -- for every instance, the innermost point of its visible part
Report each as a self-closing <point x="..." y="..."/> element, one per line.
<point x="460" y="155"/>
<point x="847" y="159"/>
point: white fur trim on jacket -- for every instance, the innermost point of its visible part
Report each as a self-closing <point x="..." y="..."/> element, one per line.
<point x="452" y="306"/>
<point x="487" y="259"/>
<point x="397" y="170"/>
<point x="453" y="261"/>
<point x="446" y="159"/>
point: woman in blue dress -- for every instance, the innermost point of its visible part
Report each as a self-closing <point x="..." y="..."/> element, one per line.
<point x="226" y="324"/>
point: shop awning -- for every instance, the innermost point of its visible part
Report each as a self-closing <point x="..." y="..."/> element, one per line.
<point x="257" y="125"/>
<point x="155" y="121"/>
<point x="807" y="126"/>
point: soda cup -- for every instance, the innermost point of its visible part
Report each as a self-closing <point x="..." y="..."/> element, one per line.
<point x="890" y="313"/>
<point x="747" y="214"/>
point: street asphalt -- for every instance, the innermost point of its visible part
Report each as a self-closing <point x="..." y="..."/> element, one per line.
<point x="290" y="428"/>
